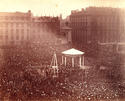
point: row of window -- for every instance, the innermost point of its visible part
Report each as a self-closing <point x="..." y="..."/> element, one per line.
<point x="22" y="31"/>
<point x="14" y="31"/>
<point x="43" y="30"/>
<point x="13" y="18"/>
<point x="12" y="37"/>
<point x="100" y="39"/>
<point x="110" y="24"/>
<point x="14" y="24"/>
<point x="103" y="36"/>
<point x="78" y="18"/>
<point x="97" y="23"/>
<point x="97" y="31"/>
<point x="25" y="25"/>
<point x="99" y="19"/>
<point x="102" y="18"/>
<point x="44" y="24"/>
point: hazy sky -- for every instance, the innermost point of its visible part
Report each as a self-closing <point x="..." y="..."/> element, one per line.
<point x="54" y="7"/>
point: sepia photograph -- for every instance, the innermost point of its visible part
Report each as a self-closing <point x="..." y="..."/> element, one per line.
<point x="62" y="50"/>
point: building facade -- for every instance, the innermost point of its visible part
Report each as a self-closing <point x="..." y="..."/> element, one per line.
<point x="45" y="29"/>
<point x="18" y="28"/>
<point x="97" y="25"/>
<point x="14" y="27"/>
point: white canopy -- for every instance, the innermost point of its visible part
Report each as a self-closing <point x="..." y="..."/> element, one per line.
<point x="72" y="52"/>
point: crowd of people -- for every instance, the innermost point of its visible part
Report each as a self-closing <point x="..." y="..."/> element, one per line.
<point x="26" y="74"/>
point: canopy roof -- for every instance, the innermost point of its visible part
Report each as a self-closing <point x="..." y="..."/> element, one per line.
<point x="72" y="52"/>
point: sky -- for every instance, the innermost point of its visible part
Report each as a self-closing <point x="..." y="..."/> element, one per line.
<point x="54" y="7"/>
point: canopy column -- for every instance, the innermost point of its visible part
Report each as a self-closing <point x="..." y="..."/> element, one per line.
<point x="72" y="61"/>
<point x="80" y="61"/>
<point x="65" y="61"/>
<point x="83" y="61"/>
<point x="62" y="59"/>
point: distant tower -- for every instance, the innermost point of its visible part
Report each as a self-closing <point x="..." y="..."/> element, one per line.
<point x="29" y="11"/>
<point x="60" y="17"/>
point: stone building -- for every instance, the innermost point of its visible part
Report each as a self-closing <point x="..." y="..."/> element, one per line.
<point x="45" y="29"/>
<point x="14" y="27"/>
<point x="17" y="28"/>
<point x="97" y="25"/>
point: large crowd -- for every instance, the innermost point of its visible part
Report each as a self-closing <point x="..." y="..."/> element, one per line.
<point x="26" y="74"/>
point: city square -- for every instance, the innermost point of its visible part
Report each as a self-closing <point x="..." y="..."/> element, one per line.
<point x="51" y="58"/>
